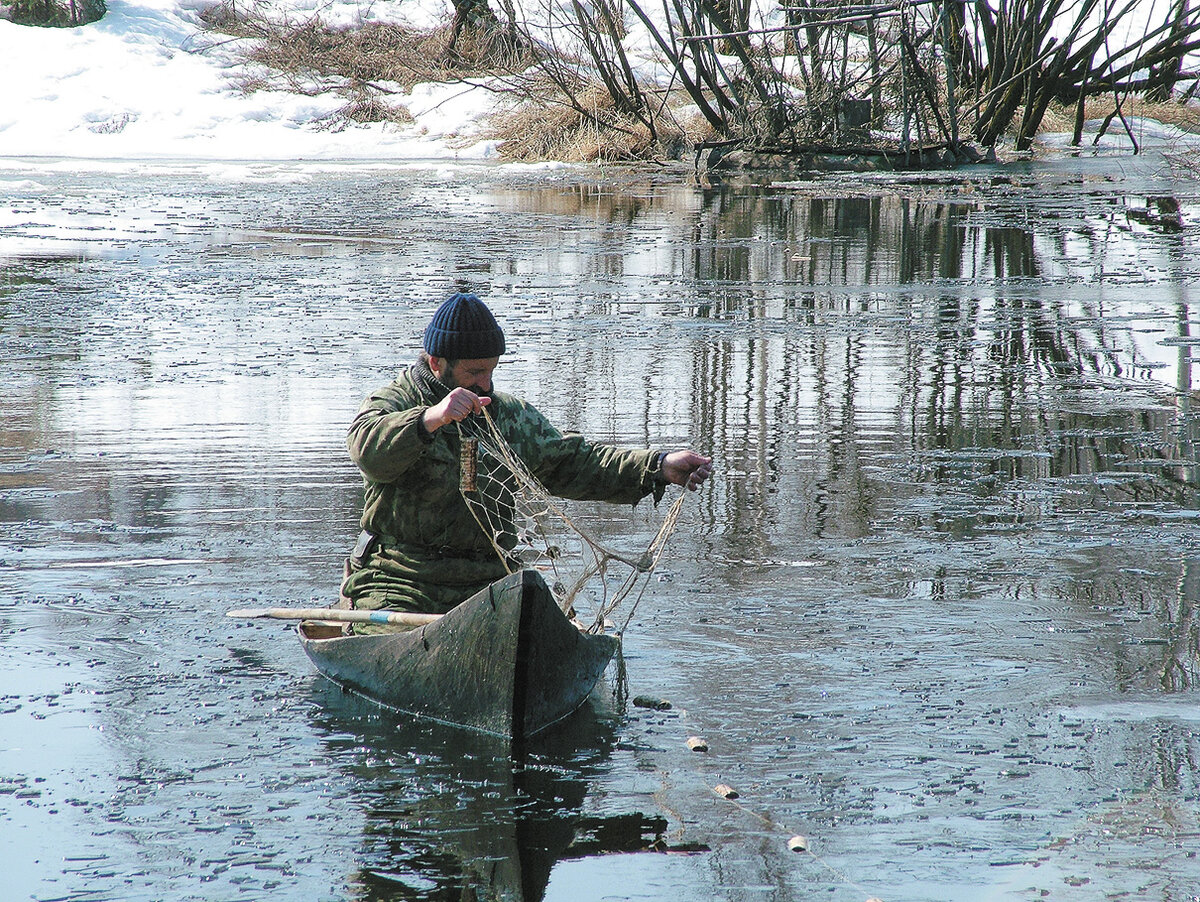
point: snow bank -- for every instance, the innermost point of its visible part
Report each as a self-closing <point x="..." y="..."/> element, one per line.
<point x="146" y="81"/>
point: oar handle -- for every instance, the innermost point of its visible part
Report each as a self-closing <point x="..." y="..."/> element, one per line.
<point x="401" y="618"/>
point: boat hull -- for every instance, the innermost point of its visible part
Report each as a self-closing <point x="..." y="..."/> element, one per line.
<point x="506" y="661"/>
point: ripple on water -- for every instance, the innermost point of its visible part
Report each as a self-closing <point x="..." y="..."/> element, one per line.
<point x="932" y="612"/>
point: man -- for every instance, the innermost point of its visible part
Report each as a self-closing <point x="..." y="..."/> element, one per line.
<point x="421" y="548"/>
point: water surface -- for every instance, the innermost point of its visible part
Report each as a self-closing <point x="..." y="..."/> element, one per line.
<point x="936" y="612"/>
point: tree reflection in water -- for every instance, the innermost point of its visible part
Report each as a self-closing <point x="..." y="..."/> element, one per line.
<point x="950" y="352"/>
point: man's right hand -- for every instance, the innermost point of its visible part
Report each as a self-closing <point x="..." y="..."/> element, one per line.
<point x="455" y="407"/>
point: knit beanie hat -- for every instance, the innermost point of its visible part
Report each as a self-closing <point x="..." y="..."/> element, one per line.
<point x="464" y="329"/>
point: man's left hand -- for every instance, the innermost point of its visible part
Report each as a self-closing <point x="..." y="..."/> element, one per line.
<point x="686" y="468"/>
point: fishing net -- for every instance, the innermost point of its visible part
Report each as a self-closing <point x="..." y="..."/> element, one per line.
<point x="529" y="527"/>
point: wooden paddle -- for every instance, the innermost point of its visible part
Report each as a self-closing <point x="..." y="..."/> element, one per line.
<point x="402" y="618"/>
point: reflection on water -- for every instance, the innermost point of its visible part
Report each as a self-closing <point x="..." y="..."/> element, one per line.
<point x="452" y="815"/>
<point x="937" y="611"/>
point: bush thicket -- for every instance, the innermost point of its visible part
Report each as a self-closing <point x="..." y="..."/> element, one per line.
<point x="55" y="13"/>
<point x="914" y="82"/>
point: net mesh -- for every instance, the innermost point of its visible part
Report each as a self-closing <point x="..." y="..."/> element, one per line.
<point x="502" y="493"/>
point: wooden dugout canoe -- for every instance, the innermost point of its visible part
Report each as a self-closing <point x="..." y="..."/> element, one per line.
<point x="506" y="661"/>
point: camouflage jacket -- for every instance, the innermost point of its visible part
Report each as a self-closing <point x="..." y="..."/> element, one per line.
<point x="412" y="498"/>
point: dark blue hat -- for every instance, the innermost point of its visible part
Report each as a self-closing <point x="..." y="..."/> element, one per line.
<point x="464" y="329"/>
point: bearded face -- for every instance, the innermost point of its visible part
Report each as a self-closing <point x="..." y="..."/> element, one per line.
<point x="473" y="375"/>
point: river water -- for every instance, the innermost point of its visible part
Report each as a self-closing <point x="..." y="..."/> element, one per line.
<point x="936" y="612"/>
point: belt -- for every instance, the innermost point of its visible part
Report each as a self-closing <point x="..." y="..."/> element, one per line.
<point x="369" y="541"/>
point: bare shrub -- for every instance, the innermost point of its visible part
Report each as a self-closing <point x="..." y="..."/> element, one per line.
<point x="228" y="18"/>
<point x="477" y="52"/>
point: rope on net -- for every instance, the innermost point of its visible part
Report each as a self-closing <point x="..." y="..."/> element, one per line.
<point x="500" y="491"/>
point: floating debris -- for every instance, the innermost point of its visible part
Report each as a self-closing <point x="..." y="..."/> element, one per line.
<point x="649" y="701"/>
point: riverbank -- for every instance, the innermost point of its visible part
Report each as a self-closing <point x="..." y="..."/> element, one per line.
<point x="151" y="81"/>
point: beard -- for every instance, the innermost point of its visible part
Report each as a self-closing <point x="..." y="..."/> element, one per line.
<point x="449" y="380"/>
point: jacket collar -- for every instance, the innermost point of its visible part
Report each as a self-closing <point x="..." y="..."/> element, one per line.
<point x="432" y="388"/>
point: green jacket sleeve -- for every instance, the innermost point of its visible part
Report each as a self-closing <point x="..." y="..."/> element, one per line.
<point x="387" y="437"/>
<point x="571" y="466"/>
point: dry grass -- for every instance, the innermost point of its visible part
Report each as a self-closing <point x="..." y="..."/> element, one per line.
<point x="379" y="52"/>
<point x="1184" y="116"/>
<point x="549" y="126"/>
<point x="362" y="109"/>
<point x="373" y="52"/>
<point x="364" y="64"/>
